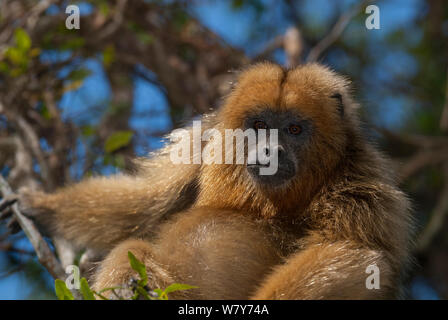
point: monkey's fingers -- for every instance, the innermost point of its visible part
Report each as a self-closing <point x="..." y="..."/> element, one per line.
<point x="26" y="204"/>
<point x="5" y="214"/>
<point x="132" y="290"/>
<point x="5" y="206"/>
<point x="13" y="226"/>
<point x="7" y="201"/>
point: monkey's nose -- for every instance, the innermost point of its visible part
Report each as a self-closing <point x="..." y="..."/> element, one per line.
<point x="277" y="148"/>
<point x="266" y="151"/>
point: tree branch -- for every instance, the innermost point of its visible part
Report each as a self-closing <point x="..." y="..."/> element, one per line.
<point x="293" y="44"/>
<point x="335" y="32"/>
<point x="421" y="160"/>
<point x="436" y="220"/>
<point x="444" y="118"/>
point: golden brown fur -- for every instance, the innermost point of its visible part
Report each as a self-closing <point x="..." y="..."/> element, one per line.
<point x="312" y="238"/>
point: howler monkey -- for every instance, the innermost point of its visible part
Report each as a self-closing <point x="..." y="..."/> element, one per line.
<point x="310" y="231"/>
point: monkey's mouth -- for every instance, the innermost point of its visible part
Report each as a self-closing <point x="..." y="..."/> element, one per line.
<point x="282" y="175"/>
<point x="258" y="165"/>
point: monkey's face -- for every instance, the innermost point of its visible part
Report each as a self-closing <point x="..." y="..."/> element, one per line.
<point x="307" y="108"/>
<point x="282" y="153"/>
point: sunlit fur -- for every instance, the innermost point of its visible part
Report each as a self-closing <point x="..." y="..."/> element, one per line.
<point x="311" y="238"/>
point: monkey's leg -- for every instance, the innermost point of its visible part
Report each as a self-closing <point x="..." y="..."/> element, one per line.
<point x="328" y="271"/>
<point x="115" y="270"/>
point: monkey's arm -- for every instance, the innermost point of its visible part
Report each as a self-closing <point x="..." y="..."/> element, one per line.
<point x="100" y="212"/>
<point x="328" y="271"/>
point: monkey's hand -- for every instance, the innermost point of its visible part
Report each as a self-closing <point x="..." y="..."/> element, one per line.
<point x="130" y="291"/>
<point x="6" y="212"/>
<point x="32" y="204"/>
<point x="116" y="271"/>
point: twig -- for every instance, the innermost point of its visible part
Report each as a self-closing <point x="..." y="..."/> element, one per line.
<point x="335" y="32"/>
<point x="444" y="118"/>
<point x="293" y="44"/>
<point x="32" y="140"/>
<point x="10" y="248"/>
<point x="436" y="220"/>
<point x="422" y="159"/>
<point x="36" y="12"/>
<point x="420" y="141"/>
<point x="117" y="20"/>
<point x="273" y="45"/>
<point x="44" y="254"/>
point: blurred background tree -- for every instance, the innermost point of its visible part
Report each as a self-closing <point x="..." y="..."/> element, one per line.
<point x="79" y="102"/>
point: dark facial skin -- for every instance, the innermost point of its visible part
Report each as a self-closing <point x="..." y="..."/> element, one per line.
<point x="293" y="133"/>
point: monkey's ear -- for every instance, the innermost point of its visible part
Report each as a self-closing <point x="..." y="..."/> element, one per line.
<point x="340" y="106"/>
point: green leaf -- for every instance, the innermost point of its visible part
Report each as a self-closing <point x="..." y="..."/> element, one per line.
<point x="45" y="113"/>
<point x="180" y="18"/>
<point x="23" y="40"/>
<point x="118" y="140"/>
<point x="116" y="160"/>
<point x="79" y="74"/>
<point x="104" y="8"/>
<point x="101" y="296"/>
<point x="34" y="52"/>
<point x="16" y="56"/>
<point x="119" y="161"/>
<point x="16" y="72"/>
<point x="160" y="293"/>
<point x="143" y="293"/>
<point x="86" y="292"/>
<point x="109" y="289"/>
<point x="4" y="67"/>
<point x="108" y="55"/>
<point x="178" y="287"/>
<point x="88" y="130"/>
<point x="145" y="38"/>
<point x="138" y="266"/>
<point x="73" y="43"/>
<point x="237" y="4"/>
<point x="62" y="292"/>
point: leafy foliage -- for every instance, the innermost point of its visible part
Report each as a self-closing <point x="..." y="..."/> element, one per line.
<point x="18" y="56"/>
<point x="140" y="288"/>
<point x="118" y="140"/>
<point x="138" y="266"/>
<point x="62" y="292"/>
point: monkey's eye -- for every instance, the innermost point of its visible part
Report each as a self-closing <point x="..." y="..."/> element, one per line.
<point x="294" y="129"/>
<point x="260" y="125"/>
